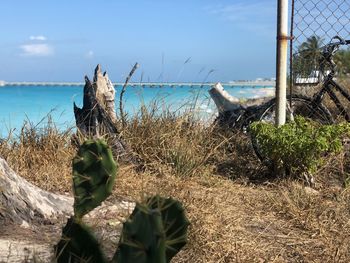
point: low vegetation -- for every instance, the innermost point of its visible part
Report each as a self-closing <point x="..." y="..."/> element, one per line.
<point x="299" y="146"/>
<point x="239" y="211"/>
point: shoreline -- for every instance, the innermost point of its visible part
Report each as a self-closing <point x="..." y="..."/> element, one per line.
<point x="241" y="84"/>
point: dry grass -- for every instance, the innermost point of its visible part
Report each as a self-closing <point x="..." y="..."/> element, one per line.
<point x="236" y="213"/>
<point x="284" y="222"/>
<point x="41" y="155"/>
<point x="175" y="142"/>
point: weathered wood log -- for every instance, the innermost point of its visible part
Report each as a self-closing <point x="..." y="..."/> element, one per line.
<point x="229" y="107"/>
<point x="232" y="112"/>
<point x="24" y="204"/>
<point x="19" y="251"/>
<point x="31" y="219"/>
<point x="35" y="243"/>
<point x="98" y="118"/>
<point x="223" y="101"/>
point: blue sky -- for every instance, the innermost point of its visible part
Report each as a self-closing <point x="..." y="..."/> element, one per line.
<point x="43" y="40"/>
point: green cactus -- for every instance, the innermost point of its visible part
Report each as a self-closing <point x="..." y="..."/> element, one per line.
<point x="94" y="172"/>
<point x="175" y="223"/>
<point x="78" y="244"/>
<point x="154" y="233"/>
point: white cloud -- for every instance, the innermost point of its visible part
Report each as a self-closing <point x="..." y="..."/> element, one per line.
<point x="38" y="50"/>
<point x="89" y="54"/>
<point x="253" y="16"/>
<point x="246" y="11"/>
<point x="40" y="38"/>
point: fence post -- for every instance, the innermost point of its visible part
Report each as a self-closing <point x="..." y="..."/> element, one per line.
<point x="281" y="63"/>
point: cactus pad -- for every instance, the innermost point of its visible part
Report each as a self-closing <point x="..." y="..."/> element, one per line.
<point x="78" y="244"/>
<point x="154" y="233"/>
<point x="175" y="223"/>
<point x="94" y="172"/>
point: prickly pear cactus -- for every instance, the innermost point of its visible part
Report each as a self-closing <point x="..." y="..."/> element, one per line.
<point x="175" y="223"/>
<point x="78" y="244"/>
<point x="154" y="233"/>
<point x="94" y="172"/>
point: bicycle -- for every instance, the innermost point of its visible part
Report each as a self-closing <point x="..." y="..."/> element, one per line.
<point x="312" y="107"/>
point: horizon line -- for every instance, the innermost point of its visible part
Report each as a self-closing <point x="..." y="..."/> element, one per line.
<point x="148" y="83"/>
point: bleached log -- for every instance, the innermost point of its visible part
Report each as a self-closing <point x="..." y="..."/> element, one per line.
<point x="31" y="248"/>
<point x="223" y="101"/>
<point x="18" y="251"/>
<point x="105" y="92"/>
<point x="98" y="118"/>
<point x="23" y="203"/>
<point x="232" y="112"/>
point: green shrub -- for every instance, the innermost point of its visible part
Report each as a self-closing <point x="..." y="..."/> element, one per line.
<point x="298" y="146"/>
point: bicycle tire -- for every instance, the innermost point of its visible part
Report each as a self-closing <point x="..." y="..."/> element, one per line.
<point x="300" y="105"/>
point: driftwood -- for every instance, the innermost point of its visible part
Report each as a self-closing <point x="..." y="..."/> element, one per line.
<point x="223" y="101"/>
<point x="20" y="251"/>
<point x="24" y="204"/>
<point x="36" y="243"/>
<point x="31" y="219"/>
<point x="232" y="112"/>
<point x="23" y="209"/>
<point x="98" y="118"/>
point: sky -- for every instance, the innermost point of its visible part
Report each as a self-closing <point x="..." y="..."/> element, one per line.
<point x="182" y="40"/>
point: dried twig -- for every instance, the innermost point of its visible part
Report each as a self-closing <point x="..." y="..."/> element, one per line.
<point x="122" y="115"/>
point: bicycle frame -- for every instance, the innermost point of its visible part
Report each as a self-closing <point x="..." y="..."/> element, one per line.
<point x="328" y="86"/>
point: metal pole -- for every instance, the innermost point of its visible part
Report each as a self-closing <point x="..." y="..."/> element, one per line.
<point x="282" y="53"/>
<point x="291" y="60"/>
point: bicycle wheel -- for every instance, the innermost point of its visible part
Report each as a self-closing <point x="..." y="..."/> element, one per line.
<point x="300" y="105"/>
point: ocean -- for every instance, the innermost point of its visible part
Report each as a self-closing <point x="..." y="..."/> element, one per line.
<point x="32" y="104"/>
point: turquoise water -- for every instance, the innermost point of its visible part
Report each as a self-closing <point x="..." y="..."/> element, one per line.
<point x="34" y="103"/>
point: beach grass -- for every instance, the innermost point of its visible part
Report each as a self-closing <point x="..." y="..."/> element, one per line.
<point x="238" y="211"/>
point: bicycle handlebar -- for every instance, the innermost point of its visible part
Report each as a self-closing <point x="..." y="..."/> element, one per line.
<point x="331" y="48"/>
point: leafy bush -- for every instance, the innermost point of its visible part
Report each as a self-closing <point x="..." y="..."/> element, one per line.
<point x="299" y="146"/>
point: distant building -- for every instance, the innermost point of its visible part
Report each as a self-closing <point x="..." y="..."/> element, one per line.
<point x="314" y="78"/>
<point x="2" y="83"/>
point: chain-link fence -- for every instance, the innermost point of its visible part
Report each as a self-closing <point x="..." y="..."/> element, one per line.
<point x="314" y="23"/>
